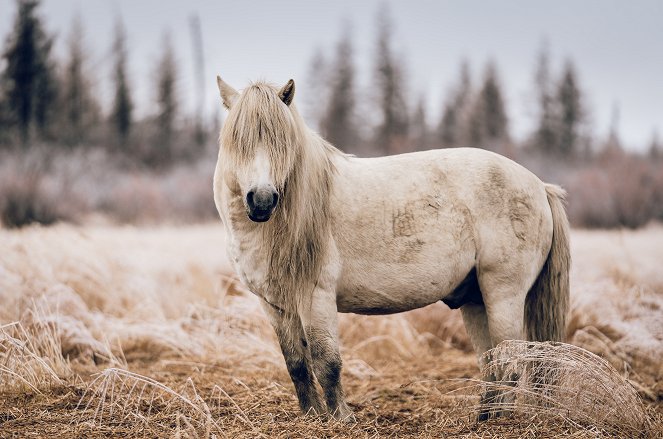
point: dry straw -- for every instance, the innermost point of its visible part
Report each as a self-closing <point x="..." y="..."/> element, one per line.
<point x="30" y="359"/>
<point x="567" y="382"/>
<point x="120" y="396"/>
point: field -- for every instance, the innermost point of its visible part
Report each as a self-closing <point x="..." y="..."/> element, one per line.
<point x="111" y="331"/>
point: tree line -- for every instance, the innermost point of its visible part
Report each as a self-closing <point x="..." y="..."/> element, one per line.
<point x="43" y="100"/>
<point x="472" y="114"/>
<point x="56" y="102"/>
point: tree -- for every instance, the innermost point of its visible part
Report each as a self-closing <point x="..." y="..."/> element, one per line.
<point x="201" y="130"/>
<point x="546" y="134"/>
<point x="80" y="108"/>
<point x="612" y="148"/>
<point x="167" y="105"/>
<point x="391" y="134"/>
<point x="317" y="89"/>
<point x="453" y="124"/>
<point x="121" y="113"/>
<point x="488" y="124"/>
<point x="655" y="150"/>
<point x="338" y="123"/>
<point x="419" y="127"/>
<point x="29" y="80"/>
<point x="571" y="113"/>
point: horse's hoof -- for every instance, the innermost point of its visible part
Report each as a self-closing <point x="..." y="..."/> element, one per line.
<point x="348" y="419"/>
<point x="345" y="415"/>
<point x="314" y="412"/>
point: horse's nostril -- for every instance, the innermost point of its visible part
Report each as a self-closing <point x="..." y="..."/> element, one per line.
<point x="249" y="199"/>
<point x="276" y="199"/>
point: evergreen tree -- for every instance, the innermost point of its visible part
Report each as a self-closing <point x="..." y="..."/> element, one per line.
<point x="201" y="128"/>
<point x="81" y="109"/>
<point x="318" y="86"/>
<point x="29" y="81"/>
<point x="167" y="105"/>
<point x="419" y="127"/>
<point x="612" y="148"/>
<point x="546" y="134"/>
<point x="391" y="135"/>
<point x="571" y="114"/>
<point x="338" y="123"/>
<point x="487" y="127"/>
<point x="452" y="127"/>
<point x="655" y="150"/>
<point x="121" y="113"/>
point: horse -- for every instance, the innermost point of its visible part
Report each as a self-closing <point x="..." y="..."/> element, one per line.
<point x="314" y="232"/>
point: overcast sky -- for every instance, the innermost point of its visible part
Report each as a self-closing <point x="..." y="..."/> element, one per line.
<point x="616" y="46"/>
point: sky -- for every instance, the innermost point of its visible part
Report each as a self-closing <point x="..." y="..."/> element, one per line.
<point x="615" y="45"/>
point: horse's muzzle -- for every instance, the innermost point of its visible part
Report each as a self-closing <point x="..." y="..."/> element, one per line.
<point x="261" y="203"/>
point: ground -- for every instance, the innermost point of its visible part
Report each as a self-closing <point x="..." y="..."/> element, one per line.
<point x="144" y="332"/>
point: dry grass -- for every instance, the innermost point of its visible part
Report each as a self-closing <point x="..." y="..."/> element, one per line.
<point x="566" y="382"/>
<point x="134" y="332"/>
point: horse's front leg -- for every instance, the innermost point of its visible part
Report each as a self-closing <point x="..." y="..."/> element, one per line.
<point x="294" y="346"/>
<point x="321" y="326"/>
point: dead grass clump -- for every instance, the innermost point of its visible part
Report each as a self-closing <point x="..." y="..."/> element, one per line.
<point x="30" y="360"/>
<point x="566" y="382"/>
<point x="118" y="396"/>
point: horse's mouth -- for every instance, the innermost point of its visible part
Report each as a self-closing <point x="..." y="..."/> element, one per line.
<point x="259" y="216"/>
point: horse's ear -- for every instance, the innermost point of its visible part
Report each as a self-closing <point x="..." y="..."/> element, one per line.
<point x="228" y="94"/>
<point x="288" y="92"/>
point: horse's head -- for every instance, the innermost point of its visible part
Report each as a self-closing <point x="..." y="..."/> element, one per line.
<point x="258" y="144"/>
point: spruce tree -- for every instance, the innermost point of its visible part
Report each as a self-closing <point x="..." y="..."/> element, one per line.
<point x="419" y="134"/>
<point x="571" y="113"/>
<point x="452" y="129"/>
<point x="317" y="89"/>
<point x="488" y="123"/>
<point x="339" y="120"/>
<point x="167" y="105"/>
<point x="546" y="138"/>
<point x="392" y="131"/>
<point x="29" y="81"/>
<point x="121" y="113"/>
<point x="80" y="107"/>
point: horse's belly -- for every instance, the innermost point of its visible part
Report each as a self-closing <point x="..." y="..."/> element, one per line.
<point x="372" y="285"/>
<point x="394" y="291"/>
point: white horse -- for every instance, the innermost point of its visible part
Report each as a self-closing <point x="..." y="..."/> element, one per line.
<point x="313" y="232"/>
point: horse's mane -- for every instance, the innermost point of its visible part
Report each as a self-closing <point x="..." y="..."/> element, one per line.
<point x="298" y="232"/>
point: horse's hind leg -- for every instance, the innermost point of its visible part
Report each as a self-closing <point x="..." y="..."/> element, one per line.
<point x="292" y="339"/>
<point x="476" y="324"/>
<point x="321" y="327"/>
<point x="504" y="297"/>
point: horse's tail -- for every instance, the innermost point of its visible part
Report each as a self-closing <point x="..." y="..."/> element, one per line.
<point x="547" y="302"/>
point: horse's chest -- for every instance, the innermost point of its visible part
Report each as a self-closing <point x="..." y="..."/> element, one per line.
<point x="250" y="263"/>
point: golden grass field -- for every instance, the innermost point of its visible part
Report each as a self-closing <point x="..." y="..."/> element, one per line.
<point x="111" y="331"/>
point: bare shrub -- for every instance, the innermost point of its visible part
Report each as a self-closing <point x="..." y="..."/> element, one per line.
<point x="616" y="190"/>
<point x="45" y="187"/>
<point x="24" y="197"/>
<point x="179" y="194"/>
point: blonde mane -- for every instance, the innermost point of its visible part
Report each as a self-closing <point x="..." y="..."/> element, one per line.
<point x="296" y="236"/>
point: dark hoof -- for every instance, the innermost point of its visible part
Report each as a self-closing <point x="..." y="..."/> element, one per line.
<point x="504" y="414"/>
